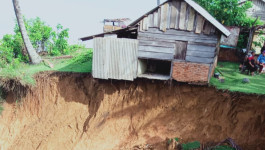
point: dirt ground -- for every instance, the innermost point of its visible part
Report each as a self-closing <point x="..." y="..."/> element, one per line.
<point x="76" y="112"/>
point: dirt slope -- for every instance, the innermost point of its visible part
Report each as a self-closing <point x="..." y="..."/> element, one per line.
<point x="73" y="111"/>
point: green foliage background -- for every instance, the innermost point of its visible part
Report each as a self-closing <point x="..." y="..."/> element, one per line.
<point x="42" y="36"/>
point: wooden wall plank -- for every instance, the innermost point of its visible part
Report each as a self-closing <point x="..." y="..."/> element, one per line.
<point x="141" y="25"/>
<point x="207" y="28"/>
<point x="156" y="49"/>
<point x="146" y="23"/>
<point x="177" y="14"/>
<point x="156" y="43"/>
<point x="182" y="33"/>
<point x="213" y="29"/>
<point x="159" y="17"/>
<point x="191" y="20"/>
<point x="169" y="14"/>
<point x="173" y="14"/>
<point x="180" y="50"/>
<point x="172" y="38"/>
<point x="182" y="19"/>
<point x="156" y="19"/>
<point x="187" y="17"/>
<point x="199" y="60"/>
<point x="151" y="55"/>
<point x="200" y="54"/>
<point x="199" y="24"/>
<point x="151" y="20"/>
<point x="202" y="44"/>
<point x="200" y="48"/>
<point x="164" y="17"/>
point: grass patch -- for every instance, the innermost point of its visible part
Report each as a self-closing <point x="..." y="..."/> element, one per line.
<point x="24" y="73"/>
<point x="233" y="80"/>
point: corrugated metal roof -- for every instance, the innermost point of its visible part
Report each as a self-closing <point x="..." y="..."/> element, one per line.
<point x="102" y="34"/>
<point x="115" y="59"/>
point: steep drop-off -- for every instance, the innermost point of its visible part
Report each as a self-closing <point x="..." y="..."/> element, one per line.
<point x="75" y="111"/>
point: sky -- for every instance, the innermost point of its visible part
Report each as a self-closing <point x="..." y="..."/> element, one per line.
<point x="82" y="17"/>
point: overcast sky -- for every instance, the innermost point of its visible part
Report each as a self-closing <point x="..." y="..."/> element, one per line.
<point x="82" y="17"/>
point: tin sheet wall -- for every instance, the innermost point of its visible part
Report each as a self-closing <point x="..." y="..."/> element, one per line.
<point x="115" y="58"/>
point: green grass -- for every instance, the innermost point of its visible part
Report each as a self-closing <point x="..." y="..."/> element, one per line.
<point x="80" y="63"/>
<point x="233" y="80"/>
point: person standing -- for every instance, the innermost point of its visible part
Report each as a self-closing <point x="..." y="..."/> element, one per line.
<point x="251" y="63"/>
<point x="261" y="61"/>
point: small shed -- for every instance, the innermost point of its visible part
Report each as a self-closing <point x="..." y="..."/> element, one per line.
<point x="177" y="40"/>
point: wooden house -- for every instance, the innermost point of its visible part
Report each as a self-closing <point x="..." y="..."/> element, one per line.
<point x="177" y="40"/>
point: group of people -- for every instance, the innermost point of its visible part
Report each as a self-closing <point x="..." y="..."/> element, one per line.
<point x="254" y="65"/>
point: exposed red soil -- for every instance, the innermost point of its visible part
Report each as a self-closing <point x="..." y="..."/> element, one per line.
<point x="74" y="111"/>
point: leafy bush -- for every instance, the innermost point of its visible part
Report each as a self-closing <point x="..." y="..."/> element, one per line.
<point x="83" y="57"/>
<point x="228" y="12"/>
<point x="59" y="44"/>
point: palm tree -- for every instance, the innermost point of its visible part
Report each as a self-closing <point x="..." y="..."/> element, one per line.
<point x="33" y="56"/>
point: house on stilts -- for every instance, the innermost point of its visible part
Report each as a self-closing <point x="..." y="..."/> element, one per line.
<point x="177" y="40"/>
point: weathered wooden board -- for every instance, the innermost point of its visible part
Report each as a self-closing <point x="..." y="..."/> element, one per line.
<point x="177" y="14"/>
<point x="159" y="17"/>
<point x="199" y="60"/>
<point x="187" y="17"/>
<point x="156" y="43"/>
<point x="207" y="28"/>
<point x="151" y="20"/>
<point x="145" y="24"/>
<point x="199" y="24"/>
<point x="175" y="38"/>
<point x="182" y="19"/>
<point x="152" y="55"/>
<point x="164" y="17"/>
<point x="200" y="48"/>
<point x="156" y="49"/>
<point x="156" y="19"/>
<point x="200" y="54"/>
<point x="180" y="50"/>
<point x="213" y="30"/>
<point x="203" y="44"/>
<point x="173" y="14"/>
<point x="168" y="14"/>
<point x="181" y="33"/>
<point x="170" y="38"/>
<point x="141" y="25"/>
<point x="190" y="25"/>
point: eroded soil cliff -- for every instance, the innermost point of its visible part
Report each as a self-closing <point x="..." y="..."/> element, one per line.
<point x="75" y="111"/>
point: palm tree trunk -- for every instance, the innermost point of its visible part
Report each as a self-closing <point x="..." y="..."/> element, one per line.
<point x="33" y="56"/>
